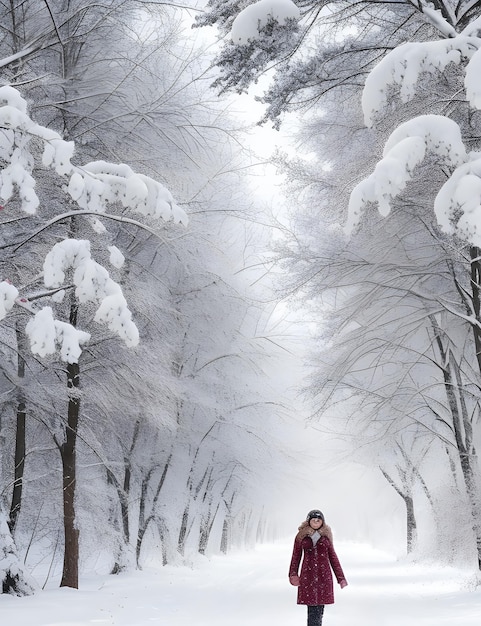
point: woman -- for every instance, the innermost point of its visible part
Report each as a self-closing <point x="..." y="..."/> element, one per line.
<point x="313" y="544"/>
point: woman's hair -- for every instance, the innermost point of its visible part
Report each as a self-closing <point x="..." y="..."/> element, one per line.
<point x="315" y="513"/>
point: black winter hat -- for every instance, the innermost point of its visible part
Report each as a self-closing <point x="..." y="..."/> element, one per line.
<point x="315" y="513"/>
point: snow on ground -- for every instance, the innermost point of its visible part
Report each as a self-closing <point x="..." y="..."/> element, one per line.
<point x="251" y="588"/>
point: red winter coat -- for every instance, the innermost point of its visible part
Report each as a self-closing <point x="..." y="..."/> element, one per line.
<point x="315" y="581"/>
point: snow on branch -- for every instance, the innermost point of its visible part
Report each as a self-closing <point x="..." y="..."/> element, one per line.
<point x="437" y="19"/>
<point x="15" y="57"/>
<point x="406" y="147"/>
<point x="403" y="66"/>
<point x="8" y="295"/>
<point x="93" y="284"/>
<point x="248" y="24"/>
<point x="472" y="80"/>
<point x="458" y="203"/>
<point x="18" y="130"/>
<point x="99" y="183"/>
<point x="47" y="334"/>
<point x="11" y="97"/>
<point x="474" y="27"/>
<point x="92" y="186"/>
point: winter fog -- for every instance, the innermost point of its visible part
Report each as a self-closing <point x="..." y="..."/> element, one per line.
<point x="240" y="279"/>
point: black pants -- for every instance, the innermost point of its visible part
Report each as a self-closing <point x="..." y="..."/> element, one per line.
<point x="314" y="615"/>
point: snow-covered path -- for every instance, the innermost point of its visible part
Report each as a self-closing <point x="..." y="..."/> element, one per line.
<point x="251" y="588"/>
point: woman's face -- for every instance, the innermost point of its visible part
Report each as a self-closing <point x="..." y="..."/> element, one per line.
<point x="315" y="522"/>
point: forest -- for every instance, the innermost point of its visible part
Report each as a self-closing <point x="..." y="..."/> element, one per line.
<point x="345" y="300"/>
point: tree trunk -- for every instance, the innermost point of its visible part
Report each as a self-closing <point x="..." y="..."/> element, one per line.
<point x="183" y="531"/>
<point x="462" y="427"/>
<point x="68" y="453"/>
<point x="145" y="521"/>
<point x="475" y="254"/>
<point x="20" y="437"/>
<point x="206" y="527"/>
<point x="468" y="460"/>
<point x="411" y="526"/>
<point x="405" y="493"/>
<point x="19" y="461"/>
<point x="164" y="538"/>
<point x="120" y="563"/>
<point x="224" y="540"/>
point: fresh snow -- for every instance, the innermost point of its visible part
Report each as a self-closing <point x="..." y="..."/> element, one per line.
<point x="251" y="588"/>
<point x="459" y="198"/>
<point x="253" y="18"/>
<point x="405" y="148"/>
<point x="458" y="205"/>
<point x="403" y="66"/>
<point x="8" y="294"/>
<point x="47" y="334"/>
<point x="472" y="82"/>
<point x="116" y="257"/>
<point x="92" y="284"/>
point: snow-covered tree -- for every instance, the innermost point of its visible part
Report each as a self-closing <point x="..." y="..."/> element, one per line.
<point x="378" y="372"/>
<point x="69" y="265"/>
<point x="386" y="275"/>
<point x="457" y="205"/>
<point x="305" y="50"/>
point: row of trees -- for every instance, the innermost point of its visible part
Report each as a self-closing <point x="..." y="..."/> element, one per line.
<point x="137" y="386"/>
<point x="397" y="296"/>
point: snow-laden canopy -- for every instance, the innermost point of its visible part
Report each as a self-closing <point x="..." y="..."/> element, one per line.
<point x="403" y="66"/>
<point x="92" y="187"/>
<point x="249" y="22"/>
<point x="458" y="203"/>
<point x="406" y="147"/>
<point x="47" y="334"/>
